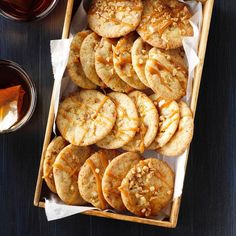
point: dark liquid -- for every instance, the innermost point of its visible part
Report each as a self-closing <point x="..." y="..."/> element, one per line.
<point x="9" y="76"/>
<point x="26" y="10"/>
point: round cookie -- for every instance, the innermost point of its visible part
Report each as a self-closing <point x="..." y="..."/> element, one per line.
<point x="53" y="149"/>
<point x="148" y="123"/>
<point x="74" y="67"/>
<point x="123" y="61"/>
<point x="66" y="169"/>
<point x="184" y="134"/>
<point x="165" y="23"/>
<point x="148" y="187"/>
<point x="113" y="19"/>
<point x="126" y="125"/>
<point x="86" y="117"/>
<point x="113" y="176"/>
<point x="90" y="177"/>
<point x="105" y="67"/>
<point x="169" y="120"/>
<point x="139" y="52"/>
<point x="87" y="58"/>
<point x="167" y="73"/>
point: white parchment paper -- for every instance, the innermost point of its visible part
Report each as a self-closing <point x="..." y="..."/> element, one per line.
<point x="54" y="207"/>
<point x="10" y="118"/>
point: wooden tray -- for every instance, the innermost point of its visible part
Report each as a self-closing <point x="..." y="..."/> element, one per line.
<point x="172" y="222"/>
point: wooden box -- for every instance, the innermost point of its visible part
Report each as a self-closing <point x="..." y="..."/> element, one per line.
<point x="172" y="221"/>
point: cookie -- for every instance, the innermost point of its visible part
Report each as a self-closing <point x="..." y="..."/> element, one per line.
<point x="90" y="177"/>
<point x="123" y="61"/>
<point x="148" y="187"/>
<point x="184" y="134"/>
<point x="167" y="73"/>
<point x="86" y="117"/>
<point x="126" y="125"/>
<point x="65" y="170"/>
<point x="148" y="123"/>
<point x="113" y="176"/>
<point x="74" y="67"/>
<point x="87" y="58"/>
<point x="169" y="116"/>
<point x="105" y="67"/>
<point x="139" y="52"/>
<point x="53" y="149"/>
<point x="165" y="23"/>
<point x="113" y="19"/>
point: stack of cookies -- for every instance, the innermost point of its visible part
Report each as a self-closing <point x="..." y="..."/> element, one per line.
<point x="106" y="179"/>
<point x="133" y="122"/>
<point x="133" y="45"/>
<point x="131" y="73"/>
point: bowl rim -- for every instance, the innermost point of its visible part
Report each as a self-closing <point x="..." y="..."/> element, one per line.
<point x="35" y="18"/>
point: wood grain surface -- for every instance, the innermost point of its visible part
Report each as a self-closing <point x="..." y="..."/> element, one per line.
<point x="209" y="199"/>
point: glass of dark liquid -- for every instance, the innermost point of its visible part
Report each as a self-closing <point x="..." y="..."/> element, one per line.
<point x="26" y="10"/>
<point x="13" y="77"/>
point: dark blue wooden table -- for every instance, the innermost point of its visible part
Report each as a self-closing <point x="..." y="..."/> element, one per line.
<point x="209" y="195"/>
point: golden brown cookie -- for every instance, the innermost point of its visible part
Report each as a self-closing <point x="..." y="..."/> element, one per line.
<point x="105" y="67"/>
<point x="74" y="67"/>
<point x="165" y="23"/>
<point x="87" y="58"/>
<point x="148" y="123"/>
<point x="113" y="19"/>
<point x="113" y="176"/>
<point x="86" y="117"/>
<point x="148" y="187"/>
<point x="53" y="149"/>
<point x="167" y="73"/>
<point x="66" y="169"/>
<point x="169" y="116"/>
<point x="90" y="177"/>
<point x="139" y="53"/>
<point x="123" y="61"/>
<point x="184" y="134"/>
<point x="126" y="125"/>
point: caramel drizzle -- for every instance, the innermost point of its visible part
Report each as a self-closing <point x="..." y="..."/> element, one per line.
<point x="114" y="20"/>
<point x="100" y="106"/>
<point x="173" y="13"/>
<point x="104" y="61"/>
<point x="72" y="170"/>
<point x="143" y="130"/>
<point x="103" y="160"/>
<point x="68" y="169"/>
<point x="150" y="109"/>
<point x="162" y="81"/>
<point x="166" y="104"/>
<point x="125" y="193"/>
<point x="119" y="133"/>
<point x="114" y="191"/>
<point x="85" y="132"/>
<point x="105" y="117"/>
<point x="113" y="176"/>
<point x="163" y="128"/>
<point x="161" y="177"/>
<point x="164" y="27"/>
<point x="66" y="116"/>
<point x="98" y="181"/>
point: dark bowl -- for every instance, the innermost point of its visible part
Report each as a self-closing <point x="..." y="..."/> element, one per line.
<point x="38" y="12"/>
<point x="31" y="93"/>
